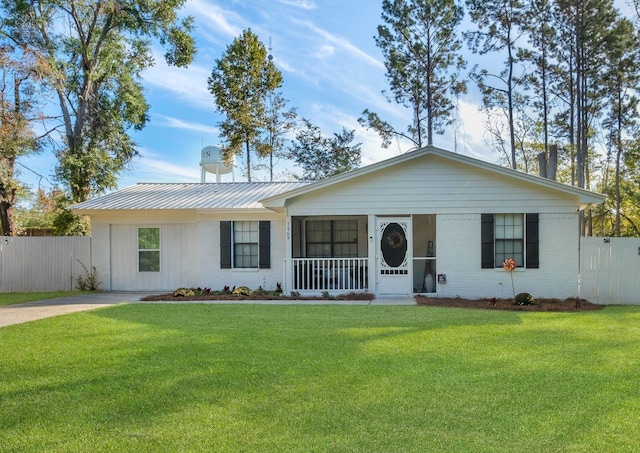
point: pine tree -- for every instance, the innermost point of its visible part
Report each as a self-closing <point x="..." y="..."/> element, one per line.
<point x="242" y="82"/>
<point x="420" y="47"/>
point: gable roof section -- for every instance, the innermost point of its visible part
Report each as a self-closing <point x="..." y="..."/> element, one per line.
<point x="585" y="197"/>
<point x="156" y="196"/>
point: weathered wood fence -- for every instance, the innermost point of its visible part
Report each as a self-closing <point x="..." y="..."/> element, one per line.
<point x="610" y="270"/>
<point x="43" y="263"/>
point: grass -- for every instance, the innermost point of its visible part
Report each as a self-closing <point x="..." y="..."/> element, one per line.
<point x="18" y="298"/>
<point x="230" y="378"/>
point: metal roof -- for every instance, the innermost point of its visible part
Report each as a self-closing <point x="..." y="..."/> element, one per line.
<point x="237" y="195"/>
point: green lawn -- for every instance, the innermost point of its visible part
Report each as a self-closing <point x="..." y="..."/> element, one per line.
<point x="18" y="298"/>
<point x="228" y="378"/>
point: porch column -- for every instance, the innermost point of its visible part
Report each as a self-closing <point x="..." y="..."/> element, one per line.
<point x="288" y="260"/>
<point x="372" y="250"/>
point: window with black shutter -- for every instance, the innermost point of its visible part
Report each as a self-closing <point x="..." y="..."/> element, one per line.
<point x="509" y="236"/>
<point x="245" y="244"/>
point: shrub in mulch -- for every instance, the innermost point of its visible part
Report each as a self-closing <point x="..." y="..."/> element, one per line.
<point x="569" y="304"/>
<point x="256" y="296"/>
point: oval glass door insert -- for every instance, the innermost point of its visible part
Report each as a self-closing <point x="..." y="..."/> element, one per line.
<point x="393" y="245"/>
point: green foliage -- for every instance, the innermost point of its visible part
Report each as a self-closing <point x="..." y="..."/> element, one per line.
<point x="93" y="66"/>
<point x="524" y="299"/>
<point x="242" y="82"/>
<point x="90" y="281"/>
<point x="420" y="46"/>
<point x="321" y="157"/>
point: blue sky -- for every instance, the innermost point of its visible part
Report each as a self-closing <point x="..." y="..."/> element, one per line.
<point x="332" y="71"/>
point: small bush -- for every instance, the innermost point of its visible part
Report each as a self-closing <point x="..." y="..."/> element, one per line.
<point x="90" y="281"/>
<point x="524" y="299"/>
<point x="183" y="292"/>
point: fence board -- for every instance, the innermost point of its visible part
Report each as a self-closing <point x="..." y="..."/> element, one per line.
<point x="42" y="263"/>
<point x="610" y="271"/>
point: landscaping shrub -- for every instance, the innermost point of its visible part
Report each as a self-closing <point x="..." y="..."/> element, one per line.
<point x="524" y="299"/>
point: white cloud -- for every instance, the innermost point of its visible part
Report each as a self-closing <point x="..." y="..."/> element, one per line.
<point x="325" y="52"/>
<point x="304" y="4"/>
<point x="342" y="43"/>
<point x="189" y="84"/>
<point x="213" y="18"/>
<point x="189" y="126"/>
<point x="154" y="167"/>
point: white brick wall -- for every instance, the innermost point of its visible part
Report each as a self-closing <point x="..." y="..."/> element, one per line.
<point x="459" y="258"/>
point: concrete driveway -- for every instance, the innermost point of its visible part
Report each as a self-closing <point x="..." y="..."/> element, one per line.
<point x="31" y="311"/>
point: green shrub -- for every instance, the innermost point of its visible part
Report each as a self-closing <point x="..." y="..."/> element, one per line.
<point x="524" y="299"/>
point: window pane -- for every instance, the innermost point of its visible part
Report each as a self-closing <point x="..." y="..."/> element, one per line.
<point x="245" y="240"/>
<point x="148" y="238"/>
<point x="149" y="261"/>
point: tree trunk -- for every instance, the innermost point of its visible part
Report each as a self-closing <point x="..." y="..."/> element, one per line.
<point x="248" y="160"/>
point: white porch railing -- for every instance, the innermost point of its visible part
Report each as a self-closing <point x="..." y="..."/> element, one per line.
<point x="324" y="274"/>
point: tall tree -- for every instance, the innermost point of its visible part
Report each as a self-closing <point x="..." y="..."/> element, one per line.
<point x="421" y="51"/>
<point x="542" y="39"/>
<point x="279" y="122"/>
<point x="242" y="82"/>
<point x="17" y="113"/>
<point x="622" y="78"/>
<point x="94" y="53"/>
<point x="499" y="29"/>
<point x="321" y="157"/>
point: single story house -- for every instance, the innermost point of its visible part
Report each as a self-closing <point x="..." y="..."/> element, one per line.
<point x="428" y="221"/>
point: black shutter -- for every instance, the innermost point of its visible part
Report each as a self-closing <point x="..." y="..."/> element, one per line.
<point x="225" y="245"/>
<point x="487" y="241"/>
<point x="533" y="238"/>
<point x="264" y="229"/>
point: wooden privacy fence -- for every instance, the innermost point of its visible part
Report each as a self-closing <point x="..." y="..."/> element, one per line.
<point x="610" y="270"/>
<point x="43" y="263"/>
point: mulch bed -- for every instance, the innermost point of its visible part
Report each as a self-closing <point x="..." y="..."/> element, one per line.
<point x="258" y="297"/>
<point x="570" y="304"/>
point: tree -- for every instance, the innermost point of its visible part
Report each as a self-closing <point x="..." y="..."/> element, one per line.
<point x="622" y="79"/>
<point x="279" y="122"/>
<point x="92" y="55"/>
<point x="321" y="157"/>
<point x="542" y="39"/>
<point x="17" y="111"/>
<point x="498" y="30"/>
<point x="420" y="47"/>
<point x="242" y="82"/>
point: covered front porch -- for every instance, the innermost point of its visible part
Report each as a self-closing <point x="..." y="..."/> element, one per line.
<point x="384" y="255"/>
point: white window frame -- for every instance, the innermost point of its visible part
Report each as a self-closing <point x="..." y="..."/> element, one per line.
<point x="150" y="250"/>
<point x="250" y="244"/>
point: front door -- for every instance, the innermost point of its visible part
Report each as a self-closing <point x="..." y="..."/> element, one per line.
<point x="394" y="256"/>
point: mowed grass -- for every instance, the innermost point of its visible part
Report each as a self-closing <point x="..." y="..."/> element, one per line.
<point x="299" y="378"/>
<point x="19" y="298"/>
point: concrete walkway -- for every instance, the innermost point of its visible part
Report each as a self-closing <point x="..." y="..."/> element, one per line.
<point x="31" y="311"/>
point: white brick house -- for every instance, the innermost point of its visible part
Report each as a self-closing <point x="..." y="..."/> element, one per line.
<point x="429" y="221"/>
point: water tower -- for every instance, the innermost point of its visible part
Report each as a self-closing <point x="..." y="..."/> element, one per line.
<point x="211" y="161"/>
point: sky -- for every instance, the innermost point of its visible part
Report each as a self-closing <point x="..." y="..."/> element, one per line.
<point x="332" y="71"/>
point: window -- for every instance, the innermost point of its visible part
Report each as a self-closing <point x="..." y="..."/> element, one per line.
<point x="332" y="238"/>
<point x="245" y="245"/>
<point x="148" y="249"/>
<point x="509" y="236"/>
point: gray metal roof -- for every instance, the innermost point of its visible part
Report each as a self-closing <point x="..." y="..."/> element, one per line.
<point x="237" y="195"/>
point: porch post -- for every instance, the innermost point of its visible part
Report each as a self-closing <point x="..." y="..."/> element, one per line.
<point x="372" y="250"/>
<point x="288" y="260"/>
